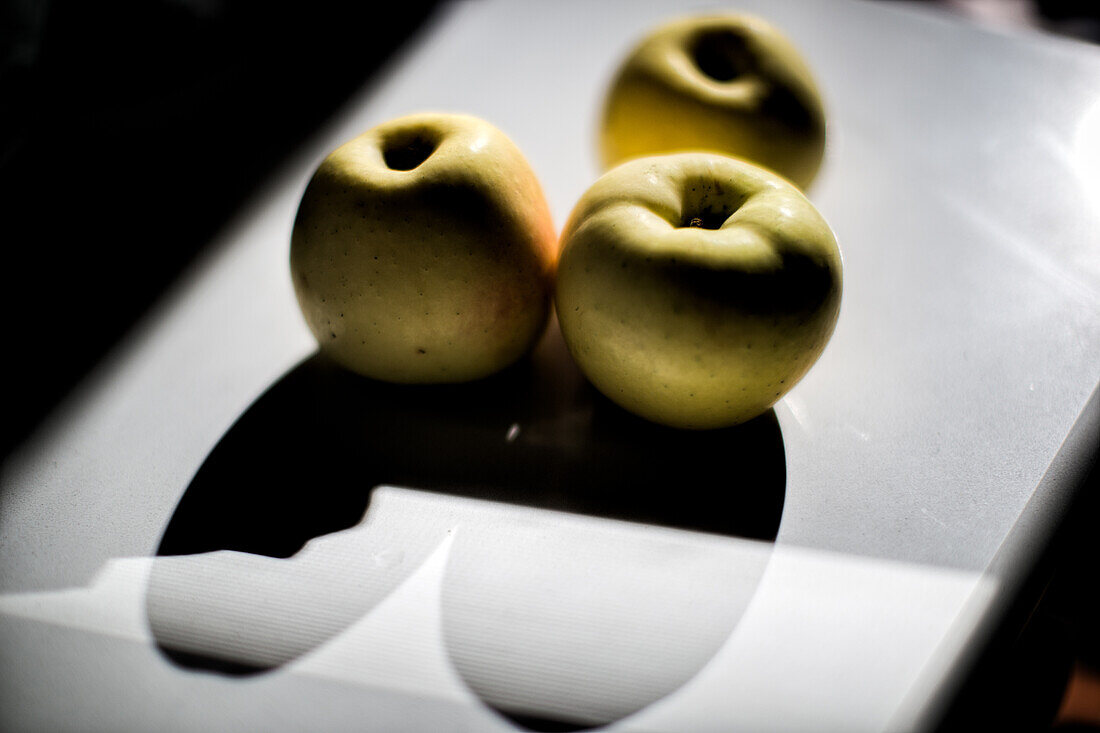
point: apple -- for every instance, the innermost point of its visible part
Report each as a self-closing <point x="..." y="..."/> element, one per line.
<point x="695" y="289"/>
<point x="731" y="84"/>
<point x="423" y="251"/>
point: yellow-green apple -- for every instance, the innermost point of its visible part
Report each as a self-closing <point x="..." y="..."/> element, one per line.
<point x="730" y="83"/>
<point x="695" y="289"/>
<point x="423" y="251"/>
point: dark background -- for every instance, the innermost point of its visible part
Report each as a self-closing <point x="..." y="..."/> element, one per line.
<point x="130" y="130"/>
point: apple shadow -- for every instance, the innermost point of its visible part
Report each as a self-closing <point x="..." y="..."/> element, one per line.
<point x="302" y="462"/>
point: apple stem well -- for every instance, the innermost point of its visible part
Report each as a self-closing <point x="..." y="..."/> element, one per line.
<point x="407" y="149"/>
<point x="722" y="55"/>
<point x="707" y="217"/>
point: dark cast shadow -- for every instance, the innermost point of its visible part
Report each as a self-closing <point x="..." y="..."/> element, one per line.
<point x="302" y="461"/>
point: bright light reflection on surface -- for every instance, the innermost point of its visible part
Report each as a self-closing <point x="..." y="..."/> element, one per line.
<point x="1086" y="153"/>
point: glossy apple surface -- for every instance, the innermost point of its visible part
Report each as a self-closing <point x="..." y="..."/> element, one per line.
<point x="695" y="289"/>
<point x="731" y="84"/>
<point x="423" y="251"/>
